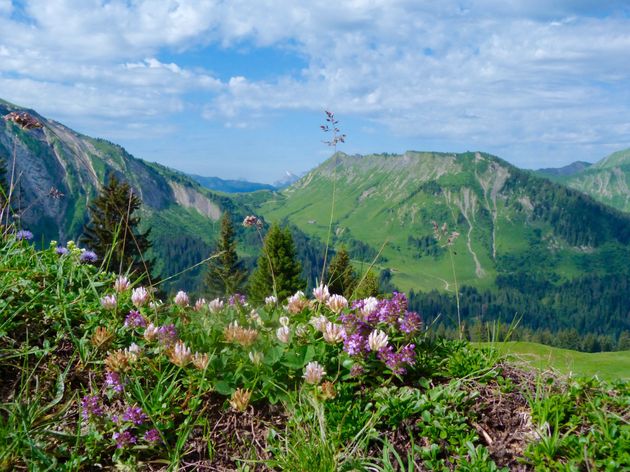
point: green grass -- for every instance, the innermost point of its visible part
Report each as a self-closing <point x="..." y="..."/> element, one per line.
<point x="606" y="365"/>
<point x="84" y="385"/>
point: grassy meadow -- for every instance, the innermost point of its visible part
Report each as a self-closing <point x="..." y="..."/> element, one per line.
<point x="609" y="366"/>
<point x="98" y="372"/>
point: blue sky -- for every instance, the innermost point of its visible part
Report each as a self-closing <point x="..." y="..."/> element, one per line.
<point x="237" y="88"/>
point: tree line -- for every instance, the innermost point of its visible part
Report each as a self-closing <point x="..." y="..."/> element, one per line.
<point x="113" y="231"/>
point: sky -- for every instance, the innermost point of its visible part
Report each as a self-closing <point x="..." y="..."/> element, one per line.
<point x="238" y="88"/>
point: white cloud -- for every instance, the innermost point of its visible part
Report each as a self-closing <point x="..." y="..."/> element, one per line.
<point x="471" y="70"/>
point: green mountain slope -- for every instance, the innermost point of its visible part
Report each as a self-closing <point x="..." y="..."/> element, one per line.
<point x="609" y="366"/>
<point x="607" y="181"/>
<point x="509" y="220"/>
<point x="183" y="215"/>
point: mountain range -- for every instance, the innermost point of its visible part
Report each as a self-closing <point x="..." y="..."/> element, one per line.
<point x="230" y="186"/>
<point x="182" y="214"/>
<point x="607" y="180"/>
<point x="516" y="230"/>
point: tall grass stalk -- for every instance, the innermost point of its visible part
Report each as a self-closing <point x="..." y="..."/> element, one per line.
<point x="337" y="137"/>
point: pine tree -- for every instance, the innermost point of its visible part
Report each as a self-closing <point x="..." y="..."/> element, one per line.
<point x="225" y="275"/>
<point x="341" y="278"/>
<point x="112" y="231"/>
<point x="368" y="287"/>
<point x="278" y="248"/>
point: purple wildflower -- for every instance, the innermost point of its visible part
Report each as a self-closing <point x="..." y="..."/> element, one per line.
<point x="410" y="322"/>
<point x="167" y="334"/>
<point x="395" y="361"/>
<point x="88" y="257"/>
<point x="355" y="344"/>
<point x="91" y="406"/>
<point x="124" y="439"/>
<point x="356" y="370"/>
<point x="61" y="251"/>
<point x="237" y="299"/>
<point x="135" y="415"/>
<point x="113" y="382"/>
<point x="390" y="310"/>
<point x="152" y="436"/>
<point x="135" y="320"/>
<point x="24" y="235"/>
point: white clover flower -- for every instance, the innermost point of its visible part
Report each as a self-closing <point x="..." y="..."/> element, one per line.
<point x="313" y="373"/>
<point x="283" y="334"/>
<point x="156" y="304"/>
<point x="297" y="302"/>
<point x="321" y="293"/>
<point x="200" y="303"/>
<point x="377" y="340"/>
<point x="181" y="299"/>
<point x="301" y="331"/>
<point x="271" y="300"/>
<point x="369" y="306"/>
<point x="318" y="322"/>
<point x="337" y="303"/>
<point x="121" y="284"/>
<point x="139" y="296"/>
<point x="200" y="361"/>
<point x="151" y="332"/>
<point x="180" y="354"/>
<point x="216" y="305"/>
<point x="333" y="333"/>
<point x="134" y="351"/>
<point x="255" y="318"/>
<point x="284" y="321"/>
<point x="109" y="302"/>
<point x="256" y="357"/>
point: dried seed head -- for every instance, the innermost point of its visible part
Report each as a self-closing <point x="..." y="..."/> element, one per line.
<point x="240" y="399"/>
<point x="200" y="361"/>
<point x="101" y="338"/>
<point x="328" y="390"/>
<point x="119" y="361"/>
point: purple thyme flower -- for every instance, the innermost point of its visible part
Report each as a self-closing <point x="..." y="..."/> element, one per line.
<point x="410" y="322"/>
<point x="124" y="439"/>
<point x="167" y="334"/>
<point x="24" y="234"/>
<point x="91" y="406"/>
<point x="237" y="299"/>
<point x="61" y="251"/>
<point x="355" y="344"/>
<point x="88" y="257"/>
<point x="135" y="415"/>
<point x="135" y="320"/>
<point x="390" y="310"/>
<point x="113" y="382"/>
<point x="395" y="361"/>
<point x="152" y="436"/>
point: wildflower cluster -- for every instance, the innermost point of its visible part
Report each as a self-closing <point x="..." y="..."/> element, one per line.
<point x="381" y="330"/>
<point x="108" y="410"/>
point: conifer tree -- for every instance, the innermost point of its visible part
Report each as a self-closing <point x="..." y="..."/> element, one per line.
<point x="279" y="250"/>
<point x="112" y="231"/>
<point x="341" y="277"/>
<point x="368" y="287"/>
<point x="225" y="275"/>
